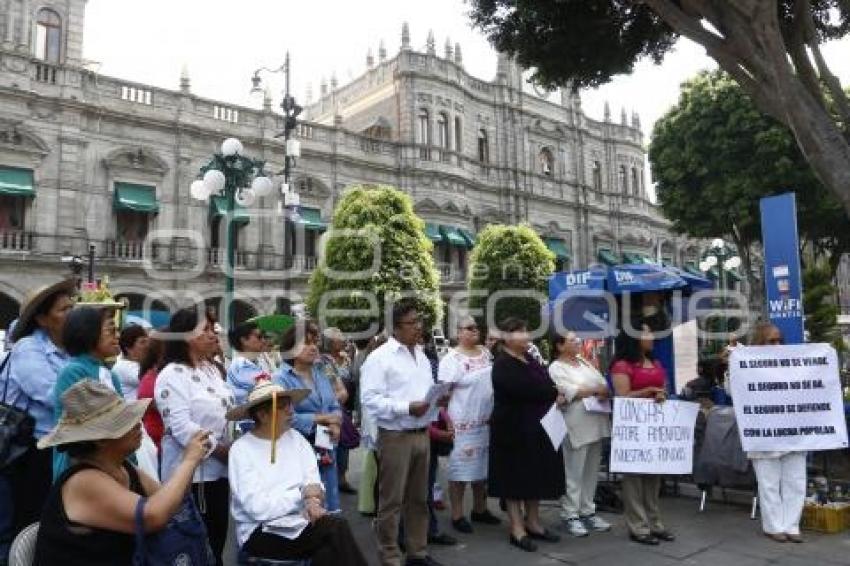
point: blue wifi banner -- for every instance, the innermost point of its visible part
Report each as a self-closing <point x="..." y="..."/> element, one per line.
<point x="783" y="286"/>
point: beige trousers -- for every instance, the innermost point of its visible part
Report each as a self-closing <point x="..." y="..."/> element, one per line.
<point x="641" y="494"/>
<point x="402" y="488"/>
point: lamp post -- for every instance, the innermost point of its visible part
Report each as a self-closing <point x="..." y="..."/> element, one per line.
<point x="291" y="151"/>
<point x="240" y="180"/>
<point x="721" y="255"/>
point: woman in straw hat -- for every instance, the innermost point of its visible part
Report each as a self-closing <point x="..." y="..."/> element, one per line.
<point x="33" y="367"/>
<point x="277" y="494"/>
<point x="88" y="518"/>
<point x="90" y="336"/>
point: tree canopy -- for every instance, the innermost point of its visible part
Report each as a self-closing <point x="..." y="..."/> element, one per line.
<point x="819" y="305"/>
<point x="771" y="48"/>
<point x="715" y="154"/>
<point x="376" y="248"/>
<point x="512" y="259"/>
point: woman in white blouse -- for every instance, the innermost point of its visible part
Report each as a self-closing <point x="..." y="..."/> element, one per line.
<point x="278" y="502"/>
<point x="191" y="395"/>
<point x="467" y="368"/>
<point x="583" y="386"/>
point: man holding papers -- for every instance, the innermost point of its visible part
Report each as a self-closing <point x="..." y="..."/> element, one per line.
<point x="395" y="384"/>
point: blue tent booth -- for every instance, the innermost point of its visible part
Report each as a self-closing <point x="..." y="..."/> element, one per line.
<point x="595" y="302"/>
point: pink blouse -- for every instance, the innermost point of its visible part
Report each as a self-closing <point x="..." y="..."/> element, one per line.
<point x="641" y="377"/>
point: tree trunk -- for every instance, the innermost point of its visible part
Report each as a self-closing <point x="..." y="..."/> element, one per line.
<point x="751" y="49"/>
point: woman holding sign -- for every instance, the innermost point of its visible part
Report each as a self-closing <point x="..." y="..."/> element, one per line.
<point x="636" y="373"/>
<point x="523" y="465"/>
<point x="781" y="476"/>
<point x="588" y="424"/>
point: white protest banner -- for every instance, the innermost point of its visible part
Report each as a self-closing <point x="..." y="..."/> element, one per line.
<point x="653" y="438"/>
<point x="788" y="397"/>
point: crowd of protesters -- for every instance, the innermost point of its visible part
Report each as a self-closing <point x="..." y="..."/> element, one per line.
<point x="261" y="438"/>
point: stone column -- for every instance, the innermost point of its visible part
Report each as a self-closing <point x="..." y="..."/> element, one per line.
<point x="10" y="24"/>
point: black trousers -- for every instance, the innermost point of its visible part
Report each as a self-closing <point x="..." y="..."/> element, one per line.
<point x="213" y="500"/>
<point x="30" y="477"/>
<point x="327" y="542"/>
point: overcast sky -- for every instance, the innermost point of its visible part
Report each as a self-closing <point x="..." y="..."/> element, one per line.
<point x="223" y="42"/>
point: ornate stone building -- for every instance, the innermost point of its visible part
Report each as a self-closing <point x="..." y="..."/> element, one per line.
<point x="89" y="160"/>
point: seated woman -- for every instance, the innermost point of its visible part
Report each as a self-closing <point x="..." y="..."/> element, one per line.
<point x="276" y="491"/>
<point x="89" y="516"/>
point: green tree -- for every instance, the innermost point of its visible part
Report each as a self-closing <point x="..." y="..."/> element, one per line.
<point x="772" y="48"/>
<point x="715" y="154"/>
<point x="819" y="304"/>
<point x="512" y="259"/>
<point x="380" y="237"/>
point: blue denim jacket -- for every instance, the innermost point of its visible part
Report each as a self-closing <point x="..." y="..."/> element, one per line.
<point x="30" y="377"/>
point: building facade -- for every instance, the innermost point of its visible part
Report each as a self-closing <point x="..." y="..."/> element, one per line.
<point x="92" y="162"/>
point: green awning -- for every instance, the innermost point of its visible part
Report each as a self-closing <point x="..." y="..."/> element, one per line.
<point x="311" y="218"/>
<point x="433" y="232"/>
<point x="17" y="182"/>
<point x="606" y="257"/>
<point x="135" y="198"/>
<point x="218" y="207"/>
<point x="633" y="258"/>
<point x="453" y="236"/>
<point x="468" y="236"/>
<point x="693" y="270"/>
<point x="558" y="247"/>
<point x="647" y="260"/>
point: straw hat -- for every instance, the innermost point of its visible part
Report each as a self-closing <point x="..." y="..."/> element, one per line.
<point x="92" y="411"/>
<point x="261" y="393"/>
<point x="36" y="298"/>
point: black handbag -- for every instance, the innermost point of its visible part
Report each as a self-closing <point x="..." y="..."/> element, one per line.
<point x="17" y="427"/>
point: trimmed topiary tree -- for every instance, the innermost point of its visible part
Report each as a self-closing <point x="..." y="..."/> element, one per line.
<point x="388" y="257"/>
<point x="509" y="258"/>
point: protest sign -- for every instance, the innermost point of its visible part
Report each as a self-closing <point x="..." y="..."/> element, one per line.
<point x="788" y="397"/>
<point x="653" y="438"/>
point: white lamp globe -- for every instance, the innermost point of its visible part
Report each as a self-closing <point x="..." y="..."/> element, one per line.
<point x="198" y="190"/>
<point x="703" y="266"/>
<point x="262" y="186"/>
<point x="231" y="147"/>
<point x="245" y="197"/>
<point x="732" y="263"/>
<point x="214" y="181"/>
<point x="717" y="243"/>
<point x="711" y="261"/>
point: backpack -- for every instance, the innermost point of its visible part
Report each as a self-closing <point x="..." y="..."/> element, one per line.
<point x="183" y="541"/>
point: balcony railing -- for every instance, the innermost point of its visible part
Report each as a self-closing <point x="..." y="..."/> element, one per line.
<point x="17" y="241"/>
<point x="46" y="73"/>
<point x="126" y="249"/>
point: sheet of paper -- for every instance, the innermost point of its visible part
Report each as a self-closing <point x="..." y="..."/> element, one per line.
<point x="554" y="425"/>
<point x="323" y="438"/>
<point x="436" y="391"/>
<point x="685" y="352"/>
<point x="594" y="405"/>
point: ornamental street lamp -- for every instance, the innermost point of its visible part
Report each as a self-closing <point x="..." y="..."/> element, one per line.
<point x="240" y="180"/>
<point x="723" y="256"/>
<point x="291" y="151"/>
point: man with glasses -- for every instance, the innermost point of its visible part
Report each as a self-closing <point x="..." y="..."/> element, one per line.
<point x="395" y="380"/>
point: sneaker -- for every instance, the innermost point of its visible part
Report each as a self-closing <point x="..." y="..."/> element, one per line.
<point x="575" y="527"/>
<point x="596" y="523"/>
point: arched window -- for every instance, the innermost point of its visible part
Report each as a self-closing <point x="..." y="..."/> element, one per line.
<point x="624" y="180"/>
<point x="443" y="131"/>
<point x="597" y="176"/>
<point x="423" y="137"/>
<point x="635" y="181"/>
<point x="458" y="135"/>
<point x="483" y="147"/>
<point x="48" y="36"/>
<point x="547" y="161"/>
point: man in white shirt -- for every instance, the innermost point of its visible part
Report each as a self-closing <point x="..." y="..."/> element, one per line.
<point x="395" y="380"/>
<point x="134" y="343"/>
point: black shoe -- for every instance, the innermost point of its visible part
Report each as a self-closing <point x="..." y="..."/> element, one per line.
<point x="525" y="543"/>
<point x="346" y="488"/>
<point x="427" y="561"/>
<point x="442" y="539"/>
<point x="545" y="536"/>
<point x="462" y="526"/>
<point x="644" y="539"/>
<point x="503" y="505"/>
<point x="666" y="536"/>
<point x="486" y="518"/>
